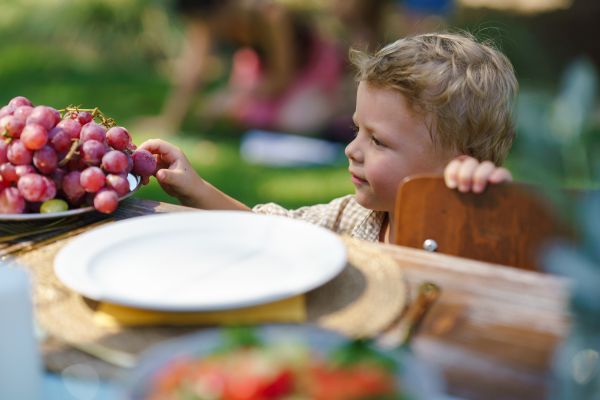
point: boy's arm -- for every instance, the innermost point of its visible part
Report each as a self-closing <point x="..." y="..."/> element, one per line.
<point x="179" y="179"/>
<point x="466" y="174"/>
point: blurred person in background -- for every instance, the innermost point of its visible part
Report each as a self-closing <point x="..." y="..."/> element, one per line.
<point x="367" y="24"/>
<point x="283" y="77"/>
<point x="425" y="15"/>
<point x="361" y="22"/>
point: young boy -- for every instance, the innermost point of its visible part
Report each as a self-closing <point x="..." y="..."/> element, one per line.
<point x="430" y="103"/>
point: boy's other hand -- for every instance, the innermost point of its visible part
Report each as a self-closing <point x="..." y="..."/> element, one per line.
<point x="466" y="173"/>
<point x="173" y="171"/>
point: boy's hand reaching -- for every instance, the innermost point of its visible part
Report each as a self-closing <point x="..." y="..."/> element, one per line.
<point x="179" y="179"/>
<point x="173" y="171"/>
<point x="466" y="173"/>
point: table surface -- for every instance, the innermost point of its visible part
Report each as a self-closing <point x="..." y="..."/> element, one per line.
<point x="493" y="330"/>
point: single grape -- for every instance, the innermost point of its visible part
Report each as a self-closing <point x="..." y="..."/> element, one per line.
<point x="12" y="125"/>
<point x="23" y="113"/>
<point x="54" y="206"/>
<point x="3" y="184"/>
<point x="93" y="131"/>
<point x="61" y="155"/>
<point x="56" y="115"/>
<point x="92" y="152"/>
<point x="11" y="202"/>
<point x="118" y="183"/>
<point x="84" y="117"/>
<point x="43" y="116"/>
<point x="8" y="172"/>
<point x="57" y="177"/>
<point x="118" y="138"/>
<point x="20" y="101"/>
<point x="128" y="134"/>
<point x="131" y="146"/>
<point x="50" y="191"/>
<point x="129" y="162"/>
<point x="7" y="110"/>
<point x="59" y="139"/>
<point x="71" y="185"/>
<point x="106" y="201"/>
<point x="24" y="170"/>
<point x="144" y="163"/>
<point x="71" y="126"/>
<point x="114" y="162"/>
<point x="45" y="160"/>
<point x="92" y="179"/>
<point x="18" y="154"/>
<point x="31" y="187"/>
<point x="3" y="151"/>
<point x="76" y="201"/>
<point x="34" y="136"/>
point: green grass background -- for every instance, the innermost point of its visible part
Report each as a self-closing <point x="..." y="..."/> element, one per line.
<point x="113" y="55"/>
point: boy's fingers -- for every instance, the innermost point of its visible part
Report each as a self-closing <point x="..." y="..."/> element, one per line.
<point x="451" y="173"/>
<point x="167" y="151"/>
<point x="481" y="174"/>
<point x="162" y="175"/>
<point x="465" y="174"/>
<point x="167" y="176"/>
<point x="160" y="163"/>
<point x="500" y="175"/>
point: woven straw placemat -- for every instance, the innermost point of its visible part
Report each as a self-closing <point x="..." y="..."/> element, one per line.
<point x="365" y="299"/>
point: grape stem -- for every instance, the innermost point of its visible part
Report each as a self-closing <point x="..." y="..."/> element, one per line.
<point x="7" y="138"/>
<point x="72" y="151"/>
<point x="96" y="113"/>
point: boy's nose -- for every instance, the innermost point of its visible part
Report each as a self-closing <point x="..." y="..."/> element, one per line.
<point x="353" y="152"/>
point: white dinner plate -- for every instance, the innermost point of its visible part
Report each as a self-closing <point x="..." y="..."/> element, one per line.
<point x="205" y="260"/>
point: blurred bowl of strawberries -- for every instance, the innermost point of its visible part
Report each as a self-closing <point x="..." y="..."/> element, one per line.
<point x="276" y="362"/>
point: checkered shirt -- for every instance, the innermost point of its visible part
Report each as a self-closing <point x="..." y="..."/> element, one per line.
<point x="344" y="216"/>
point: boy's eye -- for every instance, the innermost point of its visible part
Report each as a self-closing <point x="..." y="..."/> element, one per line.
<point x="377" y="142"/>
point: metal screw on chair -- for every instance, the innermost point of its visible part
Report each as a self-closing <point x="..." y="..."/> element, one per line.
<point x="430" y="245"/>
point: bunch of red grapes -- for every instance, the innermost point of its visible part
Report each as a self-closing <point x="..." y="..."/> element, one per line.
<point x="51" y="162"/>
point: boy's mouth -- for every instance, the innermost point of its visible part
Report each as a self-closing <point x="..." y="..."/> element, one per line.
<point x="356" y="180"/>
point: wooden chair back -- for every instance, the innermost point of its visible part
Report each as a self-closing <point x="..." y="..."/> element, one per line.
<point x="508" y="224"/>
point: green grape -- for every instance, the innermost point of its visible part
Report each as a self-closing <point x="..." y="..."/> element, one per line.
<point x="53" y="206"/>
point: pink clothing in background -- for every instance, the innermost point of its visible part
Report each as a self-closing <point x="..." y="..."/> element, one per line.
<point x="319" y="79"/>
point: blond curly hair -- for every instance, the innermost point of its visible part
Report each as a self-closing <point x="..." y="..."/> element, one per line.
<point x="464" y="89"/>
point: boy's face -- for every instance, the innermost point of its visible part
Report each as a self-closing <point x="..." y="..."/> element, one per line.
<point x="391" y="144"/>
